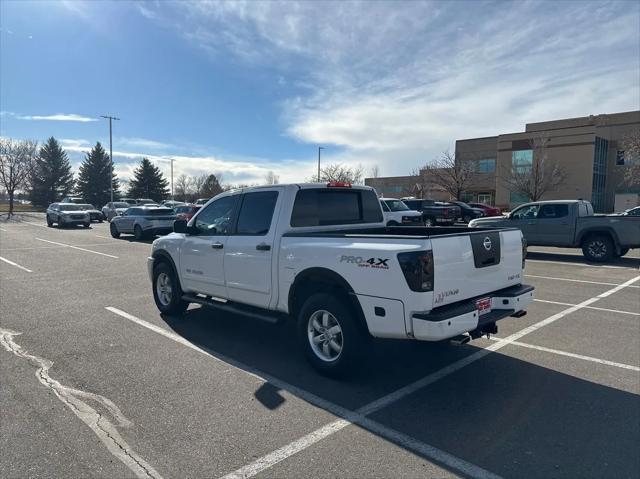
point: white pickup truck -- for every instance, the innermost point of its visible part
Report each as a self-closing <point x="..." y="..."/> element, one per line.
<point x="321" y="255"/>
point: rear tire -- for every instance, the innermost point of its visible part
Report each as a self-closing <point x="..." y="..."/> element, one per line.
<point x="598" y="248"/>
<point x="138" y="233"/>
<point x="113" y="229"/>
<point x="87" y="225"/>
<point x="167" y="292"/>
<point x="329" y="335"/>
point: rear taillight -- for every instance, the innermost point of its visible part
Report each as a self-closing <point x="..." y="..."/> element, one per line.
<point x="417" y="267"/>
<point x="339" y="184"/>
<point x="524" y="250"/>
<point x="445" y="212"/>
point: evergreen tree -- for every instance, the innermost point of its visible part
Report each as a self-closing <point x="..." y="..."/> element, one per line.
<point x="211" y="187"/>
<point x="51" y="177"/>
<point x="93" y="178"/>
<point x="148" y="182"/>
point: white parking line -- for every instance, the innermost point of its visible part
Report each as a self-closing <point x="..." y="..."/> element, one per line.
<point x="587" y="307"/>
<point x="34" y="224"/>
<point x="574" y="280"/>
<point x="78" y="248"/>
<point x="572" y="355"/>
<point x="15" y="264"/>
<point x="359" y="417"/>
<point x="2" y="229"/>
<point x="54" y="247"/>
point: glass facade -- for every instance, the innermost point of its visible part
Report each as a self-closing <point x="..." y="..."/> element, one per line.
<point x="486" y="198"/>
<point x="599" y="174"/>
<point x="516" y="198"/>
<point x="487" y="165"/>
<point x="521" y="160"/>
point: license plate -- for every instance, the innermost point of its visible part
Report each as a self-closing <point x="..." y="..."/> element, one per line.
<point x="483" y="305"/>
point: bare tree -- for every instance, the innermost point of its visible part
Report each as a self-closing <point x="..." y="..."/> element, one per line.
<point x="375" y="171"/>
<point x="197" y="183"/>
<point x="454" y="177"/>
<point x="341" y="173"/>
<point x="631" y="146"/>
<point x="538" y="178"/>
<point x="17" y="159"/>
<point x="183" y="186"/>
<point x="271" y="178"/>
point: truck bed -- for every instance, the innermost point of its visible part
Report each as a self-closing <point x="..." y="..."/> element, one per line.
<point x="417" y="232"/>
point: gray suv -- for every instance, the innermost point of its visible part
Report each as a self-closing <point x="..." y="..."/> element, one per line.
<point x="66" y="214"/>
<point x="143" y="222"/>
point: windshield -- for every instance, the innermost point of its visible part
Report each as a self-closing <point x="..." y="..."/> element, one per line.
<point x="396" y="205"/>
<point x="72" y="207"/>
<point x="88" y="207"/>
<point x="158" y="212"/>
<point x="121" y="204"/>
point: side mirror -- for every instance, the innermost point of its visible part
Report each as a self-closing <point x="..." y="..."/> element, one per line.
<point x="180" y="226"/>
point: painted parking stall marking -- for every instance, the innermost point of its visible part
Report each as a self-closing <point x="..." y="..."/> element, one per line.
<point x="78" y="248"/>
<point x="5" y="260"/>
<point x="588" y="307"/>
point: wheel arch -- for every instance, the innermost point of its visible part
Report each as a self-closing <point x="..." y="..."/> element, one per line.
<point x="322" y="279"/>
<point x="608" y="231"/>
<point x="162" y="256"/>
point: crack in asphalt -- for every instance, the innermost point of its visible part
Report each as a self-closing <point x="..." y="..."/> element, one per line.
<point x="102" y="427"/>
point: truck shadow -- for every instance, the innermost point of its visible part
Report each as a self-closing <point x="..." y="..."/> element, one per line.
<point x="627" y="261"/>
<point x="507" y="415"/>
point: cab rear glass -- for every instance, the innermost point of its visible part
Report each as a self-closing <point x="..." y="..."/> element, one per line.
<point x="333" y="206"/>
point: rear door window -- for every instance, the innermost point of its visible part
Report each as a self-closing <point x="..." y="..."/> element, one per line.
<point x="553" y="211"/>
<point x="256" y="213"/>
<point x="323" y="207"/>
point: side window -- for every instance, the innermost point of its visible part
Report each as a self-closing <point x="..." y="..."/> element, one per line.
<point x="553" y="211"/>
<point x="384" y="206"/>
<point x="256" y="213"/>
<point x="216" y="218"/>
<point x="526" y="212"/>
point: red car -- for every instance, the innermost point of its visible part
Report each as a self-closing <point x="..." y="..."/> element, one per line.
<point x="186" y="212"/>
<point x="488" y="210"/>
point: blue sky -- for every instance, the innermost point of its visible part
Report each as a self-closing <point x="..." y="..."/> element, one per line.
<point x="240" y="88"/>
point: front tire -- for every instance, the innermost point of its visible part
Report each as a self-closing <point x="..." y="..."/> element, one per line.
<point x="87" y="225"/>
<point x="138" y="233"/>
<point x="329" y="335"/>
<point x="393" y="223"/>
<point x="598" y="248"/>
<point x="167" y="292"/>
<point x="49" y="222"/>
<point x="113" y="229"/>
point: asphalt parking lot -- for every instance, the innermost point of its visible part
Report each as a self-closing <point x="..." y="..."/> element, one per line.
<point x="95" y="383"/>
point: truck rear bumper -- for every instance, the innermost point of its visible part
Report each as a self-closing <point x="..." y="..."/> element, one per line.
<point x="462" y="317"/>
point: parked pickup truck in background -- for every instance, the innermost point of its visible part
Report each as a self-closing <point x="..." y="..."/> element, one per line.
<point x="321" y="256"/>
<point x="571" y="224"/>
<point x="435" y="213"/>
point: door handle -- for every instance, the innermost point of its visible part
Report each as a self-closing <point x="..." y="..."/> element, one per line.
<point x="217" y="245"/>
<point x="263" y="247"/>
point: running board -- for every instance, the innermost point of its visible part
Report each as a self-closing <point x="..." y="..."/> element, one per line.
<point x="233" y="309"/>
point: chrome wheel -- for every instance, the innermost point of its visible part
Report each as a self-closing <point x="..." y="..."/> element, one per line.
<point x="164" y="289"/>
<point x="325" y="335"/>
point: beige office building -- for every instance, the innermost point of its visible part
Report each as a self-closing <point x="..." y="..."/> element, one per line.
<point x="588" y="149"/>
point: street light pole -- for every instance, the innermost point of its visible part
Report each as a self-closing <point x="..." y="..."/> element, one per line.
<point x="110" y="118"/>
<point x="319" y="148"/>
<point x="171" y="160"/>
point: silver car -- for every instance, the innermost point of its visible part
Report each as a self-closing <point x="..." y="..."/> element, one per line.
<point x="94" y="214"/>
<point x="67" y="214"/>
<point x="115" y="208"/>
<point x="143" y="222"/>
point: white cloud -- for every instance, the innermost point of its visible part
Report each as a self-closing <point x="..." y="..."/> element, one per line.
<point x="397" y="82"/>
<point x="143" y="143"/>
<point x="58" y="117"/>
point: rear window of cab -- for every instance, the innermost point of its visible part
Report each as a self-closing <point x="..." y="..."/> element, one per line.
<point x="329" y="206"/>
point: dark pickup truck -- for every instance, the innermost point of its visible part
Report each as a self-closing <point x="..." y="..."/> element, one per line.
<point x="571" y="224"/>
<point x="434" y="212"/>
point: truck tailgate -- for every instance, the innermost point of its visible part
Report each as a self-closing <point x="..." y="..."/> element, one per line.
<point x="475" y="263"/>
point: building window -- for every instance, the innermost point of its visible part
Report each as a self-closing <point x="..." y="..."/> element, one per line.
<point x="485" y="198"/>
<point x="521" y="161"/>
<point x="517" y="198"/>
<point x="467" y="197"/>
<point x="599" y="174"/>
<point x="487" y="165"/>
<point x="620" y="157"/>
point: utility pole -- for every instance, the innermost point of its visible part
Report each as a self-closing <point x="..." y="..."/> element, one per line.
<point x="110" y="118"/>
<point x="319" y="148"/>
<point x="171" y="160"/>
